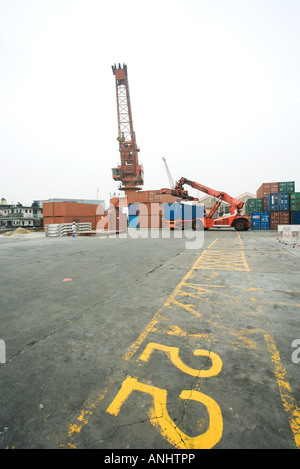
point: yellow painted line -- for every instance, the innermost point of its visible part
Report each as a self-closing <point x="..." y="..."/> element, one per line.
<point x="247" y="268"/>
<point x="218" y="260"/>
<point x="241" y="264"/>
<point x="83" y="417"/>
<point x="186" y="307"/>
<point x="212" y="243"/>
<point x="289" y="403"/>
<point x="240" y="240"/>
<point x="151" y="326"/>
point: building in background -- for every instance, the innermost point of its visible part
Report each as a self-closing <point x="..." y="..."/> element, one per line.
<point x="42" y="212"/>
<point x="16" y="215"/>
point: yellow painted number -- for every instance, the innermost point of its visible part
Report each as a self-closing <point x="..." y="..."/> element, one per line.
<point x="160" y="418"/>
<point x="173" y="355"/>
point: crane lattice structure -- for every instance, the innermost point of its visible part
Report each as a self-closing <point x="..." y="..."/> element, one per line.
<point x="130" y="173"/>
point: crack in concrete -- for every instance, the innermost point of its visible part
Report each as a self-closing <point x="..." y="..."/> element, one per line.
<point x="161" y="265"/>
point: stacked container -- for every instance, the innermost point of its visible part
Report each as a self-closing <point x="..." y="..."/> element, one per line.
<point x="254" y="205"/>
<point x="267" y="188"/>
<point x="260" y="220"/>
<point x="295" y="208"/>
<point x="286" y="187"/>
<point x="279" y="205"/>
<point x="144" y="215"/>
<point x="67" y="212"/>
<point x="278" y="202"/>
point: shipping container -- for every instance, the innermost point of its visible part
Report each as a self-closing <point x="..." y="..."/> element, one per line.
<point x="182" y="211"/>
<point x="144" y="208"/>
<point x="133" y="209"/>
<point x="65" y="209"/>
<point x="150" y="221"/>
<point x="295" y="201"/>
<point x="117" y="220"/>
<point x="192" y="211"/>
<point x="146" y="197"/>
<point x="278" y="202"/>
<point x="295" y="218"/>
<point x="48" y="209"/>
<point x="133" y="221"/>
<point x="254" y="205"/>
<point x="260" y="220"/>
<point x="286" y="187"/>
<point x="279" y="218"/>
<point x="101" y="222"/>
<point x="267" y="188"/>
<point x="171" y="211"/>
<point x="167" y="198"/>
<point x="49" y="221"/>
<point x="264" y="204"/>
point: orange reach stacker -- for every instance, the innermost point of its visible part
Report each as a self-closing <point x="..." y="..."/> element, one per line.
<point x="234" y="219"/>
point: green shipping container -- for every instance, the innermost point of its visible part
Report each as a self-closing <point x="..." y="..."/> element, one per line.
<point x="295" y="201"/>
<point x="254" y="205"/>
<point x="286" y="187"/>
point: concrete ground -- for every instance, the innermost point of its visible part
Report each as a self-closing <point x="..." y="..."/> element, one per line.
<point x="123" y="343"/>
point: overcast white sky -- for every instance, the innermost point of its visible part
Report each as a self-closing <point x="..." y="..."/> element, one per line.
<point x="214" y="85"/>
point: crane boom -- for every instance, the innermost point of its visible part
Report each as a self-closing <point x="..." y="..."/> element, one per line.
<point x="234" y="219"/>
<point x="217" y="194"/>
<point x="129" y="172"/>
<point x="169" y="174"/>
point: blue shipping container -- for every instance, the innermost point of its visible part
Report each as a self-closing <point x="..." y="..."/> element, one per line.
<point x="133" y="221"/>
<point x="133" y="209"/>
<point x="190" y="212"/>
<point x="260" y="220"/>
<point x="172" y="211"/>
<point x="182" y="211"/>
<point x="295" y="218"/>
<point x="278" y="202"/>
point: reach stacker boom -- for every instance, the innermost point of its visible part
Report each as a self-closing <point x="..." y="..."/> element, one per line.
<point x="233" y="219"/>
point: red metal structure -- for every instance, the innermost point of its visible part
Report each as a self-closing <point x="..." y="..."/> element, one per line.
<point x="129" y="172"/>
<point x="234" y="219"/>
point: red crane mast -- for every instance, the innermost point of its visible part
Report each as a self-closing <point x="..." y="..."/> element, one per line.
<point x="130" y="173"/>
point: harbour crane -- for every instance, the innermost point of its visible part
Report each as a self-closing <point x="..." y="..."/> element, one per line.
<point x="130" y="173"/>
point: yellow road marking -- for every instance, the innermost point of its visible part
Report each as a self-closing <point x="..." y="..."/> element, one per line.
<point x="160" y="418"/>
<point x="88" y="408"/>
<point x="289" y="403"/>
<point x="212" y="243"/>
<point x="173" y="355"/>
<point x="158" y="415"/>
<point x="151" y="326"/>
